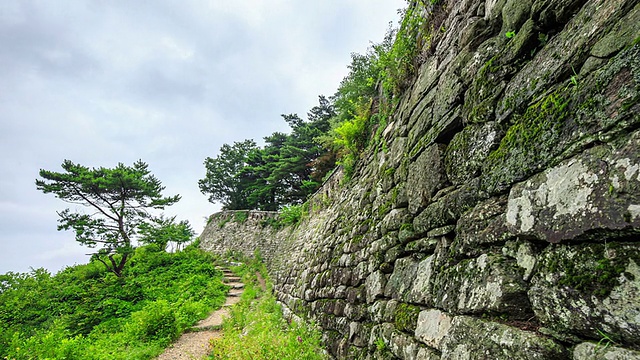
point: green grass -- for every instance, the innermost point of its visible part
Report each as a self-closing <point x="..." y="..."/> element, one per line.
<point x="256" y="329"/>
<point x="85" y="312"/>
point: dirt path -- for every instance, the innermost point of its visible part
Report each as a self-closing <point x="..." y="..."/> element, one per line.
<point x="195" y="344"/>
<point x="261" y="282"/>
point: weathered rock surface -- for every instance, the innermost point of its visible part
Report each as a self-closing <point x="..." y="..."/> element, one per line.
<point x="596" y="190"/>
<point x="603" y="351"/>
<point x="432" y="327"/>
<point x="487" y="284"/>
<point x="471" y="338"/>
<point x="502" y="220"/>
<point x="588" y="289"/>
<point x="240" y="231"/>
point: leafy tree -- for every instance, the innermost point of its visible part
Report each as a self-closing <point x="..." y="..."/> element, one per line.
<point x="358" y="87"/>
<point x="290" y="168"/>
<point x="321" y="114"/>
<point x="222" y="181"/>
<point x="303" y="161"/>
<point x="161" y="231"/>
<point x="320" y="118"/>
<point x="263" y="192"/>
<point x="285" y="171"/>
<point x="120" y="199"/>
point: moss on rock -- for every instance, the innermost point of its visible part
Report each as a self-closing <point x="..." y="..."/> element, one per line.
<point x="581" y="290"/>
<point x="406" y="317"/>
<point x="529" y="143"/>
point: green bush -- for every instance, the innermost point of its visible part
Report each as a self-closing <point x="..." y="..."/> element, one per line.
<point x="156" y="321"/>
<point x="54" y="343"/>
<point x="83" y="312"/>
<point x="190" y="311"/>
<point x="290" y="215"/>
<point x="241" y="216"/>
<point x="351" y="138"/>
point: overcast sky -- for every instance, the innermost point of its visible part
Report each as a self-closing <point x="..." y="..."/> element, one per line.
<point x="102" y="82"/>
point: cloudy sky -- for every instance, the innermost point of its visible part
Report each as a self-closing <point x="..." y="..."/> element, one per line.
<point x="100" y="82"/>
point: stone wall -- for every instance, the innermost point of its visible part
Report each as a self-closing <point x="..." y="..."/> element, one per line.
<point x="502" y="219"/>
<point x="242" y="232"/>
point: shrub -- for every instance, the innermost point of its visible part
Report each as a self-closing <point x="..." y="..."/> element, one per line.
<point x="290" y="215"/>
<point x="190" y="311"/>
<point x="241" y="217"/>
<point x="351" y="138"/>
<point x="54" y="343"/>
<point x="157" y="320"/>
<point x="84" y="312"/>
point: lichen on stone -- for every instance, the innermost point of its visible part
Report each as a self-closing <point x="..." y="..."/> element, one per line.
<point x="579" y="290"/>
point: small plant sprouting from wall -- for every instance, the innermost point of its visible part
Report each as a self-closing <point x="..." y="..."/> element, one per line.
<point x="290" y="215"/>
<point x="223" y="222"/>
<point x="241" y="217"/>
<point x="606" y="340"/>
<point x="406" y="317"/>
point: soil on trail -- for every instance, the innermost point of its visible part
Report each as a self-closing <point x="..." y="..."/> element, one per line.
<point x="195" y="344"/>
<point x="262" y="283"/>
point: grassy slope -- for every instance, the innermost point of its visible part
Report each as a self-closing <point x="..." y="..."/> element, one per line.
<point x="83" y="312"/>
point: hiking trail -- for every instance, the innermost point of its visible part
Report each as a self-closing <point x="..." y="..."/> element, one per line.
<point x="195" y="342"/>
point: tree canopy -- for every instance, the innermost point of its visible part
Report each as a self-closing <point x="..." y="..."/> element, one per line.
<point x="119" y="200"/>
<point x="290" y="167"/>
<point x="285" y="171"/>
<point x="222" y="181"/>
<point x="162" y="231"/>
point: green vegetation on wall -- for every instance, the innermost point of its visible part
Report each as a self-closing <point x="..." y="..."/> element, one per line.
<point x="529" y="142"/>
<point x="369" y="94"/>
<point x="291" y="167"/>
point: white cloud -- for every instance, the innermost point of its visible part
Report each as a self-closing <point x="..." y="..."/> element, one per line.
<point x="167" y="82"/>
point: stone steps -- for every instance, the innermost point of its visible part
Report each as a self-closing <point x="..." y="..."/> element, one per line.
<point x="236" y="285"/>
<point x="214" y="321"/>
<point x="235" y="292"/>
